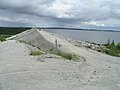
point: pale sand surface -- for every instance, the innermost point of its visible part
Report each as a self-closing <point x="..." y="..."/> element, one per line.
<point x="20" y="71"/>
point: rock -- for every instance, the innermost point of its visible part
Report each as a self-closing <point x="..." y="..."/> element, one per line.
<point x="86" y="44"/>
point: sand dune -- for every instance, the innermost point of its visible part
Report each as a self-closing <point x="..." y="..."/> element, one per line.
<point x="20" y="71"/>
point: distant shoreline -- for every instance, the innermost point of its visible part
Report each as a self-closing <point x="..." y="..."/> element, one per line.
<point x="78" y="29"/>
<point x="65" y="28"/>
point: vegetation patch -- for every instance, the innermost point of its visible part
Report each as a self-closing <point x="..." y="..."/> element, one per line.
<point x="68" y="56"/>
<point x="35" y="53"/>
<point x="112" y="49"/>
<point x="2" y="38"/>
<point x="11" y="30"/>
<point x="6" y="32"/>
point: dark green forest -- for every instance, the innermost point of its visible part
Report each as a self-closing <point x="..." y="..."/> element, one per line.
<point x="11" y="30"/>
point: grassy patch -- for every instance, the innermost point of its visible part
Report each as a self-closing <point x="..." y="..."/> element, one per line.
<point x="112" y="49"/>
<point x="35" y="53"/>
<point x="68" y="56"/>
<point x="2" y="38"/>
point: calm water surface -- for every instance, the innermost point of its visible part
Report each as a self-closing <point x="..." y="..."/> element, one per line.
<point x="93" y="36"/>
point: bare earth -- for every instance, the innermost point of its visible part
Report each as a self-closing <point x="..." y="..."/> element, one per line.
<point x="20" y="71"/>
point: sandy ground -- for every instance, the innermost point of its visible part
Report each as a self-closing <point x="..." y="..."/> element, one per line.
<point x="20" y="71"/>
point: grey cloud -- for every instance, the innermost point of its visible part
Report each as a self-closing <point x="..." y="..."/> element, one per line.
<point x="14" y="24"/>
<point x="60" y="13"/>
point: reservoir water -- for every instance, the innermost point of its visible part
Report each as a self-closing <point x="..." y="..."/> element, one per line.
<point x="92" y="36"/>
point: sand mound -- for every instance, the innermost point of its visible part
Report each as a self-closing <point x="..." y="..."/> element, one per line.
<point x="33" y="37"/>
<point x="44" y="40"/>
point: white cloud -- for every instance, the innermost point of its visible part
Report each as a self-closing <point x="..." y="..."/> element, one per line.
<point x="94" y="23"/>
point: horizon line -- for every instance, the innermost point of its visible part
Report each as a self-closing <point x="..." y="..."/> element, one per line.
<point x="69" y="28"/>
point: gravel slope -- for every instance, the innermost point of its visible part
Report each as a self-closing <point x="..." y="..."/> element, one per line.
<point x="20" y="71"/>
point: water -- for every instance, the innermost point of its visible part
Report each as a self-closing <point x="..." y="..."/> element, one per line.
<point x="92" y="36"/>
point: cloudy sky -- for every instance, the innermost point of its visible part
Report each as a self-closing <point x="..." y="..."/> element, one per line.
<point x="98" y="14"/>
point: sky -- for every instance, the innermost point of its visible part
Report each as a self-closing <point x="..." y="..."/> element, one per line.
<point x="98" y="14"/>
